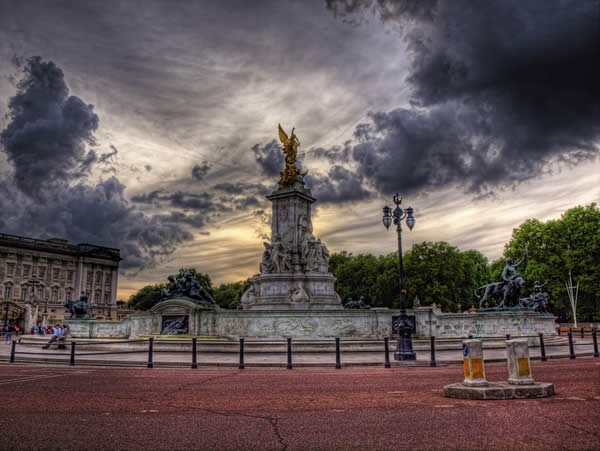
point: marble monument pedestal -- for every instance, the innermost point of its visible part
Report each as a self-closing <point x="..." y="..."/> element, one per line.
<point x="301" y="291"/>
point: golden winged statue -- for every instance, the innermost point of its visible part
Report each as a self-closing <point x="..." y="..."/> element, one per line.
<point x="290" y="149"/>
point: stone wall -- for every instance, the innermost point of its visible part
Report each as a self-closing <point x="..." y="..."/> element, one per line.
<point x="431" y="321"/>
<point x="373" y="323"/>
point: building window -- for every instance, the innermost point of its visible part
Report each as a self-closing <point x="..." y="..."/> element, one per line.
<point x="40" y="294"/>
<point x="108" y="278"/>
<point x="26" y="270"/>
<point x="107" y="298"/>
<point x="10" y="269"/>
<point x="23" y="293"/>
<point x="55" y="274"/>
<point x="89" y="277"/>
<point x="99" y="277"/>
<point x="70" y="276"/>
<point x="98" y="297"/>
<point x="54" y="297"/>
<point x="7" y="292"/>
<point x="69" y="295"/>
<point x="42" y="272"/>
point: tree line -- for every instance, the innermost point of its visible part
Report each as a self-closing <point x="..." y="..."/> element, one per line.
<point x="437" y="272"/>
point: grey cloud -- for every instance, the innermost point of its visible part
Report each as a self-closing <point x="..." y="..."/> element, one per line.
<point x="339" y="185"/>
<point x="187" y="201"/>
<point x="147" y="198"/>
<point x="148" y="167"/>
<point x="500" y="90"/>
<point x="48" y="130"/>
<point x="335" y="154"/>
<point x="94" y="214"/>
<point x="200" y="170"/>
<point x="45" y="141"/>
<point x="240" y="188"/>
<point x="269" y="157"/>
<point x="108" y="155"/>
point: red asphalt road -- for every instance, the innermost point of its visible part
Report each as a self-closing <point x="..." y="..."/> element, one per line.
<point x="399" y="408"/>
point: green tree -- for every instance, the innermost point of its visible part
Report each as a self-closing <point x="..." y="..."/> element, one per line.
<point x="571" y="243"/>
<point x="146" y="297"/>
<point x="227" y="295"/>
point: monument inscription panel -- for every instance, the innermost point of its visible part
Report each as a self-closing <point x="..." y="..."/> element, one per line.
<point x="175" y="324"/>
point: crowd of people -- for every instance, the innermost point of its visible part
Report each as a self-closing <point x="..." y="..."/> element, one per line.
<point x="59" y="333"/>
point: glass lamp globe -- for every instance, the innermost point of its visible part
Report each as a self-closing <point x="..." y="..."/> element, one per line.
<point x="387" y="217"/>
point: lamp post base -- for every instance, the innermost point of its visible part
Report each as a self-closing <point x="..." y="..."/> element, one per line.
<point x="404" y="349"/>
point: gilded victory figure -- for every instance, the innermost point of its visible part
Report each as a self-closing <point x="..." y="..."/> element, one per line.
<point x="290" y="149"/>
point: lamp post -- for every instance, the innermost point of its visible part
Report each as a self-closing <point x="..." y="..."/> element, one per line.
<point x="34" y="284"/>
<point x="7" y="304"/>
<point x="404" y="350"/>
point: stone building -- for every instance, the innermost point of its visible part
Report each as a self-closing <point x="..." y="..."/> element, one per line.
<point x="37" y="278"/>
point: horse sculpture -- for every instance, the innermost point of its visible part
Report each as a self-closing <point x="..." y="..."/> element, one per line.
<point x="79" y="308"/>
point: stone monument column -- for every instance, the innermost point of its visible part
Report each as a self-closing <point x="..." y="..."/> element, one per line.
<point x="294" y="269"/>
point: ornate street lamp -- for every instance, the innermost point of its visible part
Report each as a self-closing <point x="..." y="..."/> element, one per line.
<point x="34" y="284"/>
<point x="404" y="350"/>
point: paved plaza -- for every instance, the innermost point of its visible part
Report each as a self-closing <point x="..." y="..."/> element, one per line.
<point x="360" y="408"/>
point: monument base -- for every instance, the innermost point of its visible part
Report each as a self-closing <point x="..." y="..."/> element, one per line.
<point x="499" y="390"/>
<point x="292" y="291"/>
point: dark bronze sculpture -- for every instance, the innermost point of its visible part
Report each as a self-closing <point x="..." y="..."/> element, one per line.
<point x="506" y="292"/>
<point x="187" y="287"/>
<point x="538" y="301"/>
<point x="79" y="308"/>
<point x="360" y="304"/>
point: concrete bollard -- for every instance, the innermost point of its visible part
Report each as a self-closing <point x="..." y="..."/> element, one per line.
<point x="473" y="362"/>
<point x="519" y="368"/>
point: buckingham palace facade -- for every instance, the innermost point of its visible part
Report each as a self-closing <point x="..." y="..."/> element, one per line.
<point x="48" y="273"/>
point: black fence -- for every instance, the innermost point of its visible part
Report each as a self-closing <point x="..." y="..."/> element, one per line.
<point x="79" y="349"/>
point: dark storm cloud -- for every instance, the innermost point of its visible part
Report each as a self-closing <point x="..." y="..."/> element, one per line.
<point x="147" y="198"/>
<point x="241" y="188"/>
<point x="200" y="170"/>
<point x="46" y="137"/>
<point x="339" y="185"/>
<point x="335" y="154"/>
<point x="269" y="157"/>
<point x="500" y="90"/>
<point x="108" y="155"/>
<point x="45" y="141"/>
<point x="202" y="202"/>
<point x="190" y="201"/>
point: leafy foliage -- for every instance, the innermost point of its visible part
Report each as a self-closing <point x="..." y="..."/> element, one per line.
<point x="571" y="243"/>
<point x="146" y="297"/>
<point x="435" y="272"/>
<point x="227" y="295"/>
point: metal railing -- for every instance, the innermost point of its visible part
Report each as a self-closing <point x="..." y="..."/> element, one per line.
<point x="75" y="349"/>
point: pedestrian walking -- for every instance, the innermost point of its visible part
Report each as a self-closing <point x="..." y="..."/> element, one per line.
<point x="8" y="330"/>
<point x="56" y="331"/>
<point x="33" y="329"/>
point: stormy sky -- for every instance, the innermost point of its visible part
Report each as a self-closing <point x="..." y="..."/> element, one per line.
<point x="152" y="125"/>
